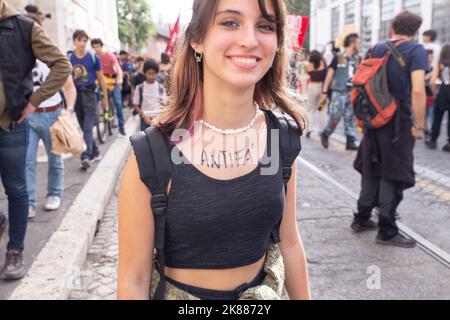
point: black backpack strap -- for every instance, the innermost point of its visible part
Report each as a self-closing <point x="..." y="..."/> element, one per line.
<point x="141" y="94"/>
<point x="290" y="147"/>
<point x="392" y="48"/>
<point x="155" y="168"/>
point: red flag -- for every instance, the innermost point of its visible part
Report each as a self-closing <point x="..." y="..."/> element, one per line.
<point x="297" y="29"/>
<point x="173" y="36"/>
<point x="303" y="31"/>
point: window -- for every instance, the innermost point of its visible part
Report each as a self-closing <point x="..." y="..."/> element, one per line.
<point x="366" y="24"/>
<point x="412" y="5"/>
<point x="335" y="17"/>
<point x="441" y="14"/>
<point x="350" y="13"/>
<point x="387" y="9"/>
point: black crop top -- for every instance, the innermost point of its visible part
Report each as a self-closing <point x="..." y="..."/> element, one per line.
<point x="221" y="224"/>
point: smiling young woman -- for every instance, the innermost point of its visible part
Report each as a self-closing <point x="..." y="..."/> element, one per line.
<point x="230" y="228"/>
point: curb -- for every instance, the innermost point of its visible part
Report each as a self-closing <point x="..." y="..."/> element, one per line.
<point x="56" y="270"/>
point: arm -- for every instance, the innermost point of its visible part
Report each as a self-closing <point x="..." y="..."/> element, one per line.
<point x="46" y="51"/>
<point x="119" y="72"/>
<point x="71" y="94"/>
<point x="101" y="80"/>
<point x="419" y="101"/>
<point x="326" y="84"/>
<point x="136" y="236"/>
<point x="297" y="283"/>
<point x="434" y="77"/>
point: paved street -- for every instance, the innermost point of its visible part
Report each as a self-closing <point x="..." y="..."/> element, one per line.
<point x="41" y="228"/>
<point x="343" y="265"/>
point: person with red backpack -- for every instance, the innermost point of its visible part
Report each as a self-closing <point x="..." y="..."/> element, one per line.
<point x="389" y="101"/>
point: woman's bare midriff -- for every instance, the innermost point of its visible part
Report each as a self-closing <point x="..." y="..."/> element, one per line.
<point x="222" y="280"/>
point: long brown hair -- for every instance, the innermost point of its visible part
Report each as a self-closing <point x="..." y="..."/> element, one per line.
<point x="186" y="80"/>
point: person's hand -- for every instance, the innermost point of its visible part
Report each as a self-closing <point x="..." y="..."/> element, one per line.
<point x="416" y="133"/>
<point x="68" y="111"/>
<point x="105" y="103"/>
<point x="148" y="120"/>
<point x="323" y="98"/>
<point x="28" y="110"/>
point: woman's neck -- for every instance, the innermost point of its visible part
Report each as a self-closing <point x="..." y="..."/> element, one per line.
<point x="225" y="106"/>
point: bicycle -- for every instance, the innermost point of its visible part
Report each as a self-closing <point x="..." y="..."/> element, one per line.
<point x="106" y="121"/>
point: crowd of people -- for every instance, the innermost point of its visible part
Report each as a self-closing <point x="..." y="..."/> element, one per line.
<point x="329" y="76"/>
<point x="54" y="84"/>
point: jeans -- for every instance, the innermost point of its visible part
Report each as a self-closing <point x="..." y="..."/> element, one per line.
<point x="39" y="124"/>
<point x="441" y="106"/>
<point x="13" y="149"/>
<point x="387" y="195"/>
<point x="86" y="111"/>
<point x="117" y="98"/>
<point x="340" y="107"/>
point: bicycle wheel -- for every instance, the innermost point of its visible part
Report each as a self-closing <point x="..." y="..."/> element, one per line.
<point x="113" y="119"/>
<point x="101" y="125"/>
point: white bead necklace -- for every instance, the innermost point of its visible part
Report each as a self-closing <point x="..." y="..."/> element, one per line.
<point x="234" y="131"/>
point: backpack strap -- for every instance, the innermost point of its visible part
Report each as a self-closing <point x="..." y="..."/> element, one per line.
<point x="141" y="94"/>
<point x="392" y="49"/>
<point x="155" y="167"/>
<point x="290" y="147"/>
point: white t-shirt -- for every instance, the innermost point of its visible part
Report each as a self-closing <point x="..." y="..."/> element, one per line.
<point x="151" y="98"/>
<point x="436" y="47"/>
<point x="40" y="74"/>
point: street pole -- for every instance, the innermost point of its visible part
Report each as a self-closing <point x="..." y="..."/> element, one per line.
<point x="133" y="26"/>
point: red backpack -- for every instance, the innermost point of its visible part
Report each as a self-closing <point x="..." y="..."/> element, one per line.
<point x="373" y="104"/>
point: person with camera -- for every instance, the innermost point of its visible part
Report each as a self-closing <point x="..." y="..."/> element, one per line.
<point x="339" y="80"/>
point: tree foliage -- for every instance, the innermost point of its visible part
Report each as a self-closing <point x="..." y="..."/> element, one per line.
<point x="143" y="22"/>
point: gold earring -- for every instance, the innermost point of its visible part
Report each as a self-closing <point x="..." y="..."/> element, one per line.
<point x="198" y="56"/>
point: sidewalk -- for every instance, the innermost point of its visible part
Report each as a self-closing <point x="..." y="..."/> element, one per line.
<point x="57" y="242"/>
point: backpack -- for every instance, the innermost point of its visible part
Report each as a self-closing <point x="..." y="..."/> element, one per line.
<point x="155" y="168"/>
<point x="373" y="104"/>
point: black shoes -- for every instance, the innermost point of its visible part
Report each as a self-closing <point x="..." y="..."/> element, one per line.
<point x="324" y="140"/>
<point x="370" y="225"/>
<point x="351" y="144"/>
<point x="14" y="268"/>
<point x="397" y="241"/>
<point x="122" y="132"/>
<point x="431" y="144"/>
<point x="446" y="148"/>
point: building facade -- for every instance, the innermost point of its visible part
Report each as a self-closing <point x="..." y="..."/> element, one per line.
<point x="373" y="18"/>
<point x="98" y="18"/>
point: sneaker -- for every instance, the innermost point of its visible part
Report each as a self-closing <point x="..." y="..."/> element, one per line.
<point x="96" y="158"/>
<point x="397" y="241"/>
<point x="31" y="213"/>
<point x="446" y="148"/>
<point x="370" y="225"/>
<point x="308" y="134"/>
<point x="53" y="203"/>
<point x="3" y="224"/>
<point x="431" y="144"/>
<point x="324" y="140"/>
<point x="14" y="266"/>
<point x="122" y="132"/>
<point x="85" y="164"/>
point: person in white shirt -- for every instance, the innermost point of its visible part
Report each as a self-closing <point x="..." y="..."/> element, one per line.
<point x="429" y="42"/>
<point x="39" y="124"/>
<point x="148" y="96"/>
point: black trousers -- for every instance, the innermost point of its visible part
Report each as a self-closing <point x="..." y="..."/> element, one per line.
<point x="384" y="194"/>
<point x="441" y="106"/>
